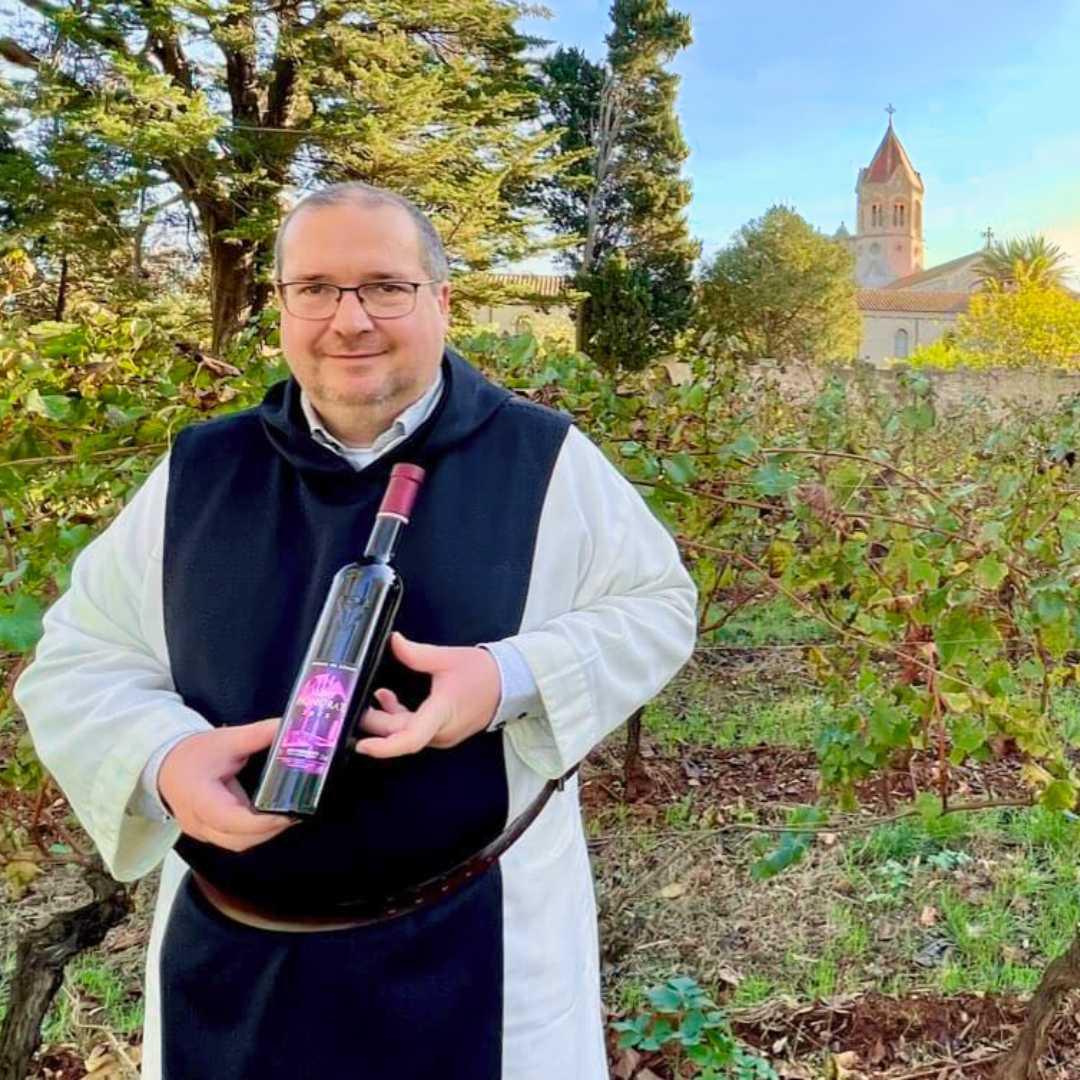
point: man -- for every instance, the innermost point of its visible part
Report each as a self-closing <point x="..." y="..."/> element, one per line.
<point x="543" y="604"/>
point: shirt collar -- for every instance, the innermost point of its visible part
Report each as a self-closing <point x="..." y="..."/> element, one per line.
<point x="403" y="426"/>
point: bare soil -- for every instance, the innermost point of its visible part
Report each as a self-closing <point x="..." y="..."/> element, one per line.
<point x="710" y="923"/>
<point x="771" y="779"/>
<point x="883" y="1038"/>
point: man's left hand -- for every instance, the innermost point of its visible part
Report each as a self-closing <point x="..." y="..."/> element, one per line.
<point x="465" y="692"/>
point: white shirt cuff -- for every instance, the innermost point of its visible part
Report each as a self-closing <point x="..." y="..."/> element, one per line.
<point x="146" y="801"/>
<point x="520" y="696"/>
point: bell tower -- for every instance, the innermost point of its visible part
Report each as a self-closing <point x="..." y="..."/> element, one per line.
<point x="888" y="241"/>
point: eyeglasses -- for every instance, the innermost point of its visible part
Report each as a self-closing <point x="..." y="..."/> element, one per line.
<point x="320" y="299"/>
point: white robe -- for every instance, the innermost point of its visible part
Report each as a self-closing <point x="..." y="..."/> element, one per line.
<point x="609" y="618"/>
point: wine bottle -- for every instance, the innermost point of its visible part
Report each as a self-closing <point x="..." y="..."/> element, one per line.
<point x="336" y="679"/>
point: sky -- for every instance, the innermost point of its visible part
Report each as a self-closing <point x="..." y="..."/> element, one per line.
<point x="784" y="102"/>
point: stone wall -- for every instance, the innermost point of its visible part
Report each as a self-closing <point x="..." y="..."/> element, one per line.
<point x="954" y="388"/>
<point x="556" y="320"/>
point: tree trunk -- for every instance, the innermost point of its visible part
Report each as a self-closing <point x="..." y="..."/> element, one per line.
<point x="1063" y="975"/>
<point x="62" y="291"/>
<point x="232" y="287"/>
<point x="581" y="325"/>
<point x="636" y="780"/>
<point x="39" y="968"/>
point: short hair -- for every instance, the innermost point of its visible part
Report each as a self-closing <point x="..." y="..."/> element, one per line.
<point x="432" y="253"/>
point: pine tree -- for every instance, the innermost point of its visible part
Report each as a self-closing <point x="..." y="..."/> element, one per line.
<point x="230" y="106"/>
<point x="625" y="194"/>
<point x="62" y="196"/>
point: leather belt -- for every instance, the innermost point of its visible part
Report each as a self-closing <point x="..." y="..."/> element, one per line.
<point x="414" y="898"/>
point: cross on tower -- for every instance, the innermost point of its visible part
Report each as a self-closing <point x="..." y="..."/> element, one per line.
<point x="890" y="110"/>
<point x="989" y="234"/>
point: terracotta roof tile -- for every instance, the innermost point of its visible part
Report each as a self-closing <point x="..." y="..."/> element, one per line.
<point x="889" y="157"/>
<point x="936" y="303"/>
<point x="547" y="285"/>
<point x="935" y="271"/>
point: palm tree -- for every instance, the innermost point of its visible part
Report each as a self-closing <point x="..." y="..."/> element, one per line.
<point x="1028" y="260"/>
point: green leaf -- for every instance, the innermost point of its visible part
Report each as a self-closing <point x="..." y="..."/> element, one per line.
<point x="662" y="1031"/>
<point x="691" y="1027"/>
<point x="989" y="573"/>
<point x="771" y="479"/>
<point x="922" y="572"/>
<point x="1059" y="795"/>
<point x="20" y="627"/>
<point x="744" y="446"/>
<point x="1049" y="606"/>
<point x="58" y="339"/>
<point x="1070" y="538"/>
<point x="51" y="406"/>
<point x="12" y="576"/>
<point x="889" y="726"/>
<point x="693" y="397"/>
<point x="960" y="634"/>
<point x="664" y="999"/>
<point x="688" y="989"/>
<point x="918" y="418"/>
<point x="968" y="735"/>
<point x="844" y="481"/>
<point x="73" y="538"/>
<point x="791" y="849"/>
<point x="1058" y="638"/>
<point x="958" y="703"/>
<point x="680" y="469"/>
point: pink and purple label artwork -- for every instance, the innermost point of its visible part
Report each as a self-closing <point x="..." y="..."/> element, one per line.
<point x="314" y="723"/>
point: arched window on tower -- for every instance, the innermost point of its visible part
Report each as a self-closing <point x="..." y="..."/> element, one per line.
<point x="900" y="345"/>
<point x="918" y="216"/>
<point x="898" y="214"/>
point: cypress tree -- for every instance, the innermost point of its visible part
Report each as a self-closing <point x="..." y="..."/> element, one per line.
<point x="625" y="195"/>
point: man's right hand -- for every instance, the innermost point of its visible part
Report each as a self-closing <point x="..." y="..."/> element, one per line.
<point x="197" y="781"/>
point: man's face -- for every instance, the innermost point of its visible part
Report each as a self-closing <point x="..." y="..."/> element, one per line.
<point x="352" y="361"/>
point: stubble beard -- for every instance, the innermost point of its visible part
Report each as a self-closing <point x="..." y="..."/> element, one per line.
<point x="374" y="409"/>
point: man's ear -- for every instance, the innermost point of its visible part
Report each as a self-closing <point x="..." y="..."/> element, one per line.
<point x="442" y="296"/>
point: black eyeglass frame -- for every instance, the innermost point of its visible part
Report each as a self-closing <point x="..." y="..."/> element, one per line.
<point x="343" y="289"/>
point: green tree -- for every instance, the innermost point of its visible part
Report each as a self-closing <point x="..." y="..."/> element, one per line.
<point x="1024" y="324"/>
<point x="62" y="199"/>
<point x="1028" y="259"/>
<point x="229" y="106"/>
<point x="620" y="301"/>
<point x="781" y="290"/>
<point x="624" y="194"/>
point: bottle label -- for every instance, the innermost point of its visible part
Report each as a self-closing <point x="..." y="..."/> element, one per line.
<point x="314" y="723"/>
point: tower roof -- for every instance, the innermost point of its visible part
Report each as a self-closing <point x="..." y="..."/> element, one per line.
<point x="889" y="157"/>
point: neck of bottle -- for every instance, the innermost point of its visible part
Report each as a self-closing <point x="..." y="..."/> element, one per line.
<point x="382" y="543"/>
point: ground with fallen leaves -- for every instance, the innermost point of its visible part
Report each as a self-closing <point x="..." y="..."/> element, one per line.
<point x="895" y="949"/>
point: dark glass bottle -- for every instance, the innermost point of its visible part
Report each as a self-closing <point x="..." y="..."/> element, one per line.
<point x="337" y="676"/>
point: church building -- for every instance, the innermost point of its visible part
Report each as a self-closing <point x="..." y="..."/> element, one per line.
<point x="903" y="305"/>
